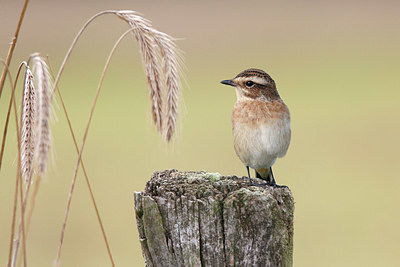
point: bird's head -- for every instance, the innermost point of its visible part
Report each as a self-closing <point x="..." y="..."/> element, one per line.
<point x="254" y="84"/>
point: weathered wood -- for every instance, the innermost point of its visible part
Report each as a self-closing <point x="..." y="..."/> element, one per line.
<point x="205" y="219"/>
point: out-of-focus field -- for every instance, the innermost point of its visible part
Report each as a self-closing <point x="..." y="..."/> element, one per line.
<point x="336" y="65"/>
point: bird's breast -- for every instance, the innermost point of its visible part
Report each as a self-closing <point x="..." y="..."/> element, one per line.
<point x="261" y="131"/>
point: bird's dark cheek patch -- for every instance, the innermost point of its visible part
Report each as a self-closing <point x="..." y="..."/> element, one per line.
<point x="251" y="93"/>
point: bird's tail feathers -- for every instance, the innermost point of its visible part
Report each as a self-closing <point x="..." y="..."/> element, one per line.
<point x="263" y="174"/>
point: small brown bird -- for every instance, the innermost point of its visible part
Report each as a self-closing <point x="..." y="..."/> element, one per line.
<point x="260" y="123"/>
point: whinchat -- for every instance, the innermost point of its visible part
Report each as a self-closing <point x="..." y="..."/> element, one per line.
<point x="260" y="123"/>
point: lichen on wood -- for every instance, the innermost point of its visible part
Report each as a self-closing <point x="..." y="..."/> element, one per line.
<point x="205" y="219"/>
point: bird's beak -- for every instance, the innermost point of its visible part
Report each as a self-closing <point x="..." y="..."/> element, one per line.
<point x="229" y="82"/>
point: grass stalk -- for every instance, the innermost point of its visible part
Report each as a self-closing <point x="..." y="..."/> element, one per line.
<point x="12" y="46"/>
<point x="3" y="141"/>
<point x="14" y="214"/>
<point x="85" y="174"/>
<point x="13" y="220"/>
<point x="21" y="227"/>
<point x="155" y="45"/>
<point x="13" y="259"/>
<point x="68" y="54"/>
<point x="32" y="203"/>
<point x="83" y="146"/>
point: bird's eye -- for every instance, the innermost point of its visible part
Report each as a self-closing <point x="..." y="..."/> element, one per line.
<point x="249" y="83"/>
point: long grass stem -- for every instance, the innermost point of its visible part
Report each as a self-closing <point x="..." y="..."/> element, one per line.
<point x="12" y="46"/>
<point x="86" y="175"/>
<point x="21" y="228"/>
<point x="3" y="141"/>
<point x="83" y="145"/>
<point x="68" y="54"/>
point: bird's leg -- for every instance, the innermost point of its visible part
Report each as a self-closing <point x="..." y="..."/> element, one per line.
<point x="250" y="182"/>
<point x="271" y="178"/>
<point x="248" y="172"/>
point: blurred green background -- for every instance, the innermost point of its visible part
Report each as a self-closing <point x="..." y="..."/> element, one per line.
<point x="336" y="65"/>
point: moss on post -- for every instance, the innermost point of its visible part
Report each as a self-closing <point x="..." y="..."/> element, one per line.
<point x="205" y="219"/>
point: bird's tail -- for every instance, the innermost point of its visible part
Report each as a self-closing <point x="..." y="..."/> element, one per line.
<point x="263" y="174"/>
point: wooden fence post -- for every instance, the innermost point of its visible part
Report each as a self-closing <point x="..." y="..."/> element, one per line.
<point x="205" y="219"/>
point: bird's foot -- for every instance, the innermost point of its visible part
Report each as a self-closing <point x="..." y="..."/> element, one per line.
<point x="256" y="184"/>
<point x="269" y="183"/>
<point x="276" y="185"/>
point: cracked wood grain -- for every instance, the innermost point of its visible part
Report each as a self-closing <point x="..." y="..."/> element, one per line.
<point x="205" y="219"/>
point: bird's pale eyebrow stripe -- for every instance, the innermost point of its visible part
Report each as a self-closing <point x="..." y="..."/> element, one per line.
<point x="258" y="80"/>
<point x="255" y="79"/>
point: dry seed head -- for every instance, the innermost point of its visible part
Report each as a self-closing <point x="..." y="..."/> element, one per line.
<point x="28" y="126"/>
<point x="160" y="58"/>
<point x="43" y="86"/>
<point x="169" y="55"/>
<point x="143" y="34"/>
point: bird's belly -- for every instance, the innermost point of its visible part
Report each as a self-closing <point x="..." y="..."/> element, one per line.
<point x="258" y="145"/>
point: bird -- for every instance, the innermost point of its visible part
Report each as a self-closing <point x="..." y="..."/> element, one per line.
<point x="260" y="123"/>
